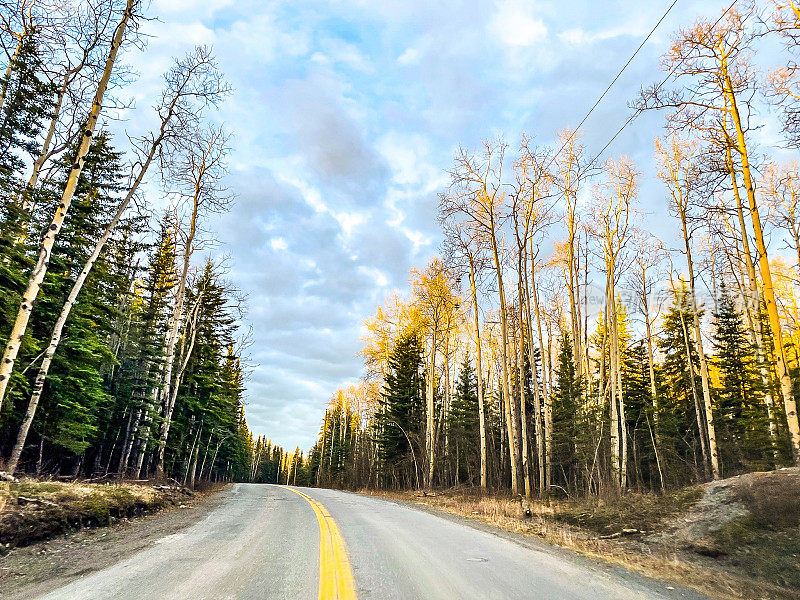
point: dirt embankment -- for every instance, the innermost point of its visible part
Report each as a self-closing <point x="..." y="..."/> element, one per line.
<point x="735" y="538"/>
<point x="28" y="571"/>
<point x="36" y="510"/>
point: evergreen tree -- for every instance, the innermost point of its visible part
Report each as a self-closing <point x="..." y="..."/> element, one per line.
<point x="742" y="414"/>
<point x="678" y="418"/>
<point x="27" y="105"/>
<point x="140" y="371"/>
<point x="566" y="417"/>
<point x="463" y="421"/>
<point x="400" y="420"/>
<point x="75" y="401"/>
<point x="643" y="467"/>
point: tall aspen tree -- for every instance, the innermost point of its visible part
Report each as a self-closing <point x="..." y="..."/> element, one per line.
<point x="192" y="80"/>
<point x="612" y="226"/>
<point x="433" y="290"/>
<point x="43" y="259"/>
<point x="679" y="173"/>
<point x="198" y="168"/>
<point x="568" y="165"/>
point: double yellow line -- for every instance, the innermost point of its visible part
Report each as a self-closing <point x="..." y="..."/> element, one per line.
<point x="335" y="577"/>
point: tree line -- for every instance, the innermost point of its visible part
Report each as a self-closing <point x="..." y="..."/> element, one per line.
<point x="124" y="351"/>
<point x="557" y="345"/>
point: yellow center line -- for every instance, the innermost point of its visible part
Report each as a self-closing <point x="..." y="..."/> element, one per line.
<point x="335" y="577"/>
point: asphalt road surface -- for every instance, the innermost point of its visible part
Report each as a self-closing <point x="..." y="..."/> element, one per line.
<point x="272" y="542"/>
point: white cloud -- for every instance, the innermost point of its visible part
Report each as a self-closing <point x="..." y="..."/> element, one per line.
<point x="278" y="243"/>
<point x="574" y="36"/>
<point x="514" y="24"/>
<point x="409" y="160"/>
<point x="376" y="274"/>
<point x="410" y="57"/>
<point x="262" y="38"/>
<point x="343" y="53"/>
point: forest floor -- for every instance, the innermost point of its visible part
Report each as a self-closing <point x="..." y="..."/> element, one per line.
<point x="102" y="523"/>
<point x="734" y="538"/>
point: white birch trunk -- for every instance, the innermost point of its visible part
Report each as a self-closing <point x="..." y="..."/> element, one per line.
<point x="40" y="269"/>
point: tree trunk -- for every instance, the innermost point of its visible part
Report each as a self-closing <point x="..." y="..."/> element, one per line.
<point x="695" y="395"/>
<point x="510" y="425"/>
<point x="612" y="380"/>
<point x="522" y="401"/>
<point x="766" y="278"/>
<point x="40" y="269"/>
<point x="479" y="373"/>
<point x="652" y="373"/>
<point x="698" y="338"/>
<point x="429" y="403"/>
<point x="48" y="139"/>
<point x="544" y="454"/>
<point x="10" y="67"/>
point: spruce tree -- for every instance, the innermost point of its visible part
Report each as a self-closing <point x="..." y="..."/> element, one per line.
<point x="400" y="420"/>
<point x="26" y="107"/>
<point x="742" y="414"/>
<point x="463" y="421"/>
<point x="566" y="418"/>
<point x="639" y="417"/>
<point x="678" y="419"/>
<point x="75" y="401"/>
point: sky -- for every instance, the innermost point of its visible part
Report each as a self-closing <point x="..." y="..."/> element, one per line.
<point x="345" y="117"/>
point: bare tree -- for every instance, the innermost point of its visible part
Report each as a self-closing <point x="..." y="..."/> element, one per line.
<point x="197" y="166"/>
<point x="712" y="60"/>
<point x="679" y="172"/>
<point x="477" y="191"/>
<point x="611" y="224"/>
<point x="462" y="246"/>
<point x="40" y="269"/>
<point x="190" y="85"/>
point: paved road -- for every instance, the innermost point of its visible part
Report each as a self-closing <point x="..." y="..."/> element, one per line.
<point x="264" y="542"/>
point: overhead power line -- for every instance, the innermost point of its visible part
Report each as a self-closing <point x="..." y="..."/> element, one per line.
<point x="658" y="87"/>
<point x="616" y="77"/>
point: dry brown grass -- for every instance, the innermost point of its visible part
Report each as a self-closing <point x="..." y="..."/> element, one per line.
<point x="33" y="510"/>
<point x="553" y="523"/>
<point x="773" y="498"/>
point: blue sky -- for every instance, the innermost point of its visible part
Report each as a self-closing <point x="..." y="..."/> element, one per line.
<point x="345" y="117"/>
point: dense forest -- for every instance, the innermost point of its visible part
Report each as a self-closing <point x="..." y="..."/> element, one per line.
<point x="557" y="346"/>
<point x="124" y="344"/>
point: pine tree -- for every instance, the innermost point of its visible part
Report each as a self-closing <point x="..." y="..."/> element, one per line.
<point x="566" y="417"/>
<point x="463" y="422"/>
<point x="400" y="420"/>
<point x="742" y="414"/>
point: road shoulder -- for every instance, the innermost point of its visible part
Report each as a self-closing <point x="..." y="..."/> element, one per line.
<point x="34" y="570"/>
<point x="661" y="572"/>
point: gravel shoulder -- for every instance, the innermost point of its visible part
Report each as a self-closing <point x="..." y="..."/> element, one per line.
<point x="737" y="538"/>
<point x="33" y="570"/>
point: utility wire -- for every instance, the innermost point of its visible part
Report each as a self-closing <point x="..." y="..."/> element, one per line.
<point x="618" y="75"/>
<point x="639" y="111"/>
